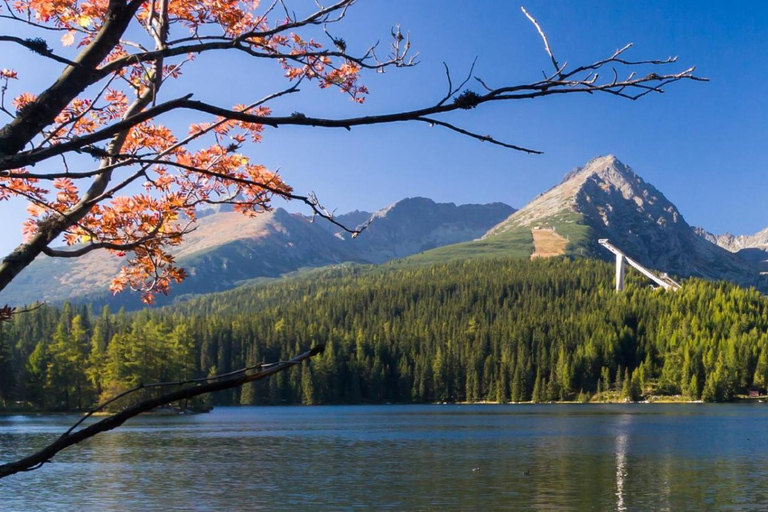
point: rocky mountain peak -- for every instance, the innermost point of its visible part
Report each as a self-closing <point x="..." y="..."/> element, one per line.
<point x="417" y="224"/>
<point x="609" y="200"/>
<point x="751" y="248"/>
<point x="604" y="166"/>
<point x="408" y="204"/>
<point x="609" y="190"/>
<point x="604" y="176"/>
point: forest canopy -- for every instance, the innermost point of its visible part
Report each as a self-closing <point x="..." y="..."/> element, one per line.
<point x="496" y="330"/>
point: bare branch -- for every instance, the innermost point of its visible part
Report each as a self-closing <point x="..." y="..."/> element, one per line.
<point x="70" y="438"/>
<point x="543" y="38"/>
<point x="483" y="138"/>
<point x="564" y="85"/>
<point x="39" y="47"/>
<point x="450" y="85"/>
<point x="451" y="90"/>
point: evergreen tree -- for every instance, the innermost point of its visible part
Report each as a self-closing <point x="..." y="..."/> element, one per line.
<point x="479" y="330"/>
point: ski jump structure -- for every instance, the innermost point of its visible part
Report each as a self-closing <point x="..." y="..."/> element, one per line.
<point x="664" y="281"/>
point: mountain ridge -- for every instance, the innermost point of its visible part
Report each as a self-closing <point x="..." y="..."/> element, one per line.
<point x="607" y="199"/>
<point x="602" y="199"/>
<point x="229" y="249"/>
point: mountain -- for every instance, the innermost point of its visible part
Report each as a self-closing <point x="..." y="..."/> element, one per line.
<point x="226" y="249"/>
<point x="418" y="224"/>
<point x="607" y="199"/>
<point x="350" y="220"/>
<point x="229" y="249"/>
<point x="603" y="199"/>
<point x="751" y="248"/>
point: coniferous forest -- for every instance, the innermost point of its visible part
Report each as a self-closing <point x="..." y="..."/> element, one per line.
<point x="483" y="330"/>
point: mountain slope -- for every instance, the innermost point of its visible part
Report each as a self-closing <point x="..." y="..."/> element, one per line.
<point x="225" y="249"/>
<point x="418" y="224"/>
<point x="750" y="248"/>
<point x="607" y="199"/>
<point x="228" y="249"/>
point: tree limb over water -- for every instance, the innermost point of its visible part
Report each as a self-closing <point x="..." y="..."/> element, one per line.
<point x="220" y="382"/>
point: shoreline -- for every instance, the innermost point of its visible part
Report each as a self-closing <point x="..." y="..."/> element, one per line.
<point x="658" y="400"/>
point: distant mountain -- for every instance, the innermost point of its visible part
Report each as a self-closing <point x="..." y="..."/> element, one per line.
<point x="751" y="248"/>
<point x="228" y="249"/>
<point x="351" y="220"/>
<point x="607" y="199"/>
<point x="418" y="224"/>
<point x="603" y="199"/>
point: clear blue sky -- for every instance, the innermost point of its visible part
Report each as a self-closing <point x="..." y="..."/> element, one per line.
<point x="702" y="144"/>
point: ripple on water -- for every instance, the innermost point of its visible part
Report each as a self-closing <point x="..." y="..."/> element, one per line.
<point x="630" y="457"/>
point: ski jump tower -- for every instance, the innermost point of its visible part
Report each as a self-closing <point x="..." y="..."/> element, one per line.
<point x="622" y="259"/>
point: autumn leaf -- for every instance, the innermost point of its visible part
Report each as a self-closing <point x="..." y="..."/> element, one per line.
<point x="6" y="312"/>
<point x="35" y="210"/>
<point x="68" y="39"/>
<point x="23" y="99"/>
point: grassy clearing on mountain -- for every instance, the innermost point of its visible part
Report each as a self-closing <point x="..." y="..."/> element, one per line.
<point x="547" y="243"/>
<point x="516" y="244"/>
<point x="581" y="239"/>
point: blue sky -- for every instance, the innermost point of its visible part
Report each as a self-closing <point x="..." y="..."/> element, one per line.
<point x="702" y="144"/>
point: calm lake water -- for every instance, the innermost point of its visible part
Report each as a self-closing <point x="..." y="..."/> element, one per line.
<point x="449" y="457"/>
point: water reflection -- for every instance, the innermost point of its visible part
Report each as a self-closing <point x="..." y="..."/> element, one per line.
<point x="621" y="461"/>
<point x="601" y="457"/>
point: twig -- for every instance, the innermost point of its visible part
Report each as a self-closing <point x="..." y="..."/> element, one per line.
<point x="558" y="69"/>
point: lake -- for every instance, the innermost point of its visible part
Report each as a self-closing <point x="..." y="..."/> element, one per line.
<point x="433" y="457"/>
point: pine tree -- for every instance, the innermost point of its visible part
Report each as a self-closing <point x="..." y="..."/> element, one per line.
<point x="307" y="386"/>
<point x="538" y="389"/>
<point x="693" y="388"/>
<point x="760" y="379"/>
<point x="626" y="388"/>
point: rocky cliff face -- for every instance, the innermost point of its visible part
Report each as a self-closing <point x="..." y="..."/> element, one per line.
<point x="613" y="202"/>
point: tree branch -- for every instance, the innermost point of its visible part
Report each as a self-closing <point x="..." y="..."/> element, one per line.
<point x="85" y="249"/>
<point x="45" y="455"/>
<point x="39" y="47"/>
<point x="310" y="200"/>
<point x="74" y="80"/>
<point x="482" y="138"/>
<point x="548" y="87"/>
<point x="543" y="38"/>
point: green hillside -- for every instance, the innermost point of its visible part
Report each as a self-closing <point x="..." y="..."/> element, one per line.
<point x="515" y="242"/>
<point x="482" y="329"/>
